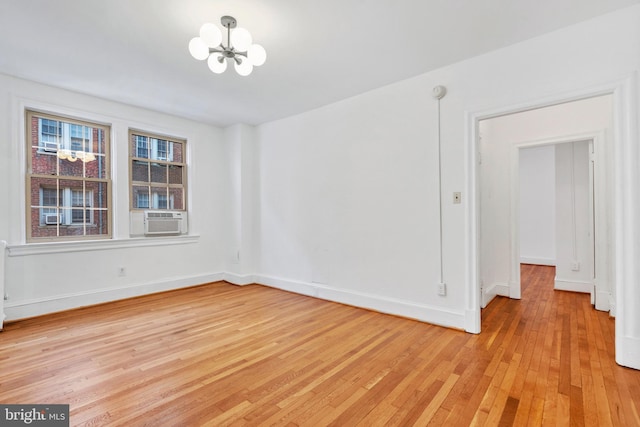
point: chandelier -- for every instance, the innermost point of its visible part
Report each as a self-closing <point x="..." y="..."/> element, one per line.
<point x="239" y="49"/>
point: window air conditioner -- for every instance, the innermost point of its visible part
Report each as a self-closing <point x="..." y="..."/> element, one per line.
<point x="51" y="219"/>
<point x="159" y="223"/>
<point x="50" y="146"/>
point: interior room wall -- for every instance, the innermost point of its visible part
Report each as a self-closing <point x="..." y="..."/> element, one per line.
<point x="59" y="277"/>
<point x="538" y="205"/>
<point x="349" y="192"/>
<point x="574" y="239"/>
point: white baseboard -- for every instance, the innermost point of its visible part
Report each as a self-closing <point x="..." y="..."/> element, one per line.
<point x="573" y="285"/>
<point x="39" y="306"/>
<point x="422" y="312"/>
<point x="489" y="292"/>
<point x="603" y="301"/>
<point x="239" y="279"/>
<point x="628" y="351"/>
<point x="612" y="306"/>
<point x="537" y="261"/>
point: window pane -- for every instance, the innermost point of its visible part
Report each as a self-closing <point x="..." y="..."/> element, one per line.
<point x="140" y="146"/>
<point x="43" y="162"/>
<point x="70" y="165"/>
<point x="140" y="171"/>
<point x="141" y="197"/>
<point x="158" y="173"/>
<point x="100" y="223"/>
<point x="96" y="168"/>
<point x="175" y="174"/>
<point x="176" y="195"/>
<point x="99" y="194"/>
<point x="176" y="151"/>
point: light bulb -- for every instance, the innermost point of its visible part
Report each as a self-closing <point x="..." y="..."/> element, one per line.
<point x="211" y="35"/>
<point x="241" y="39"/>
<point x="214" y="63"/>
<point x="198" y="49"/>
<point x="257" y="55"/>
<point x="244" y="68"/>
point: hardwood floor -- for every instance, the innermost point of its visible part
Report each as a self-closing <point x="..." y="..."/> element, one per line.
<point x="224" y="355"/>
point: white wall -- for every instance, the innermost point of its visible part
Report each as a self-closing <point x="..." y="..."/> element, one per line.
<point x="573" y="218"/>
<point x="48" y="277"/>
<point x="349" y="192"/>
<point x="538" y="205"/>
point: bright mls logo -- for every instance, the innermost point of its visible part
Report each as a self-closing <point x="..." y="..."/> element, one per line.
<point x="34" y="415"/>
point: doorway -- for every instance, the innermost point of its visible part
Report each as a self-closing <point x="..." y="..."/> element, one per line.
<point x="585" y="124"/>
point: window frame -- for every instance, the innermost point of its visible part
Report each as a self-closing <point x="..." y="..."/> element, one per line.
<point x="158" y="157"/>
<point x="65" y="185"/>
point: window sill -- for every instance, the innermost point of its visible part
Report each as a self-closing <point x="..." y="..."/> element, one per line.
<point x="97" y="245"/>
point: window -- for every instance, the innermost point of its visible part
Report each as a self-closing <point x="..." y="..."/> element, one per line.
<point x="67" y="179"/>
<point x="158" y="172"/>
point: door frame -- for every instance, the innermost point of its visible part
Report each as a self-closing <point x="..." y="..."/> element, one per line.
<point x="600" y="291"/>
<point x="625" y="152"/>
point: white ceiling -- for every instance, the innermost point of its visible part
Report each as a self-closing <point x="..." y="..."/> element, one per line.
<point x="318" y="51"/>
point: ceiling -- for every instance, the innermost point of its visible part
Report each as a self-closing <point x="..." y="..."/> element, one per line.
<point x="318" y="51"/>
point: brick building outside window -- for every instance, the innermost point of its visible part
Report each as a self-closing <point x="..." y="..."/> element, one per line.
<point x="68" y="179"/>
<point x="158" y="172"/>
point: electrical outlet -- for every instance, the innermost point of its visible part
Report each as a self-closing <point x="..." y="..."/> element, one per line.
<point x="122" y="271"/>
<point x="6" y="296"/>
<point x="575" y="266"/>
<point x="457" y="197"/>
<point x="442" y="289"/>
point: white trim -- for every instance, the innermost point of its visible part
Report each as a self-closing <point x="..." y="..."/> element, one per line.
<point x="597" y="137"/>
<point x="98" y="245"/>
<point x="426" y="313"/>
<point x="625" y="128"/>
<point x="582" y="286"/>
<point x="3" y="254"/>
<point x="239" y="279"/>
<point x="537" y="261"/>
<point x="603" y="301"/>
<point x="626" y="208"/>
<point x="39" y="306"/>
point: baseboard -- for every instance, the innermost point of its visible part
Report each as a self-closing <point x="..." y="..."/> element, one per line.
<point x="39" y="306"/>
<point x="489" y="292"/>
<point x="612" y="306"/>
<point x="603" y="301"/>
<point x="573" y="285"/>
<point x="426" y="313"/>
<point x="628" y="351"/>
<point x="239" y="279"/>
<point x="537" y="261"/>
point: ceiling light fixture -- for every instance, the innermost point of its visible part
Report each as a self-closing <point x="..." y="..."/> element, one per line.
<point x="239" y="49"/>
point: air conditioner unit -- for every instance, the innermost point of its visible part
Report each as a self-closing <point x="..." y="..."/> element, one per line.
<point x="50" y="146"/>
<point x="51" y="219"/>
<point x="159" y="223"/>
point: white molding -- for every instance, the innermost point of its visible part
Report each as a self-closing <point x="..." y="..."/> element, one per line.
<point x="39" y="306"/>
<point x="239" y="279"/>
<point x="493" y="290"/>
<point x="537" y="261"/>
<point x="603" y="301"/>
<point x="629" y="353"/>
<point x="98" y="245"/>
<point x="426" y="313"/>
<point x="625" y="95"/>
<point x="3" y="254"/>
<point x="561" y="284"/>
